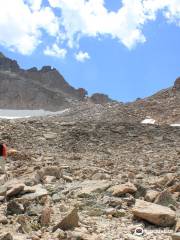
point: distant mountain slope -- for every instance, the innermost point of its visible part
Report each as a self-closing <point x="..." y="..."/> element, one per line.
<point x="47" y="89"/>
<point x="33" y="88"/>
<point x="163" y="107"/>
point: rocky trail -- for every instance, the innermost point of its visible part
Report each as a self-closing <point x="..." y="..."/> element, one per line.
<point x="89" y="179"/>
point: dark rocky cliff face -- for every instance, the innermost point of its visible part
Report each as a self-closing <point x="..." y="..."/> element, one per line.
<point x="7" y="64"/>
<point x="99" y="98"/>
<point x="33" y="88"/>
<point x="177" y="84"/>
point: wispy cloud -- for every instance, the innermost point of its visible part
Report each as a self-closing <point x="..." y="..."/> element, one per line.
<point x="55" y="51"/>
<point x="82" y="56"/>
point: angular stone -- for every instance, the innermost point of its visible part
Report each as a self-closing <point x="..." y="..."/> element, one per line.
<point x="67" y="178"/>
<point x="25" y="225"/>
<point x="15" y="190"/>
<point x="122" y="189"/>
<point x="154" y="213"/>
<point x="70" y="221"/>
<point x="175" y="188"/>
<point x="141" y="191"/>
<point x="6" y="236"/>
<point x="91" y="186"/>
<point x="28" y="189"/>
<point x="177" y="228"/>
<point x="151" y="195"/>
<point x="50" y="136"/>
<point x="3" y="219"/>
<point x="45" y="216"/>
<point x="2" y="198"/>
<point x="49" y="171"/>
<point x="3" y="190"/>
<point x="39" y="192"/>
<point x="14" y="207"/>
<point x="176" y="236"/>
<point x="115" y="202"/>
<point x="101" y="176"/>
<point x="115" y="212"/>
<point x="57" y="197"/>
<point x="165" y="198"/>
<point x="3" y="179"/>
<point x="49" y="179"/>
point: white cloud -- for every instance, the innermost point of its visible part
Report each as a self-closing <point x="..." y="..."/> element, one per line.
<point x="91" y="18"/>
<point x="34" y="4"/>
<point x="23" y="22"/>
<point x="82" y="56"/>
<point x="55" y="51"/>
<point x="21" y="26"/>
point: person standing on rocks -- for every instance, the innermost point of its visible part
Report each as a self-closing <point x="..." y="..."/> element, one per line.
<point x="3" y="156"/>
<point x="4" y="153"/>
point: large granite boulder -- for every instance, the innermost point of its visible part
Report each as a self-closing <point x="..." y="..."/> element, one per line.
<point x="154" y="213"/>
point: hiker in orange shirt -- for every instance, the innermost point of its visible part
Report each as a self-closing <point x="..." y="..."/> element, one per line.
<point x="3" y="156"/>
<point x="4" y="152"/>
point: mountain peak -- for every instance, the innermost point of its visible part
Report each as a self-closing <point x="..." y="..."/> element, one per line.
<point x="177" y="84"/>
<point x="2" y="55"/>
<point x="35" y="89"/>
<point x="7" y="64"/>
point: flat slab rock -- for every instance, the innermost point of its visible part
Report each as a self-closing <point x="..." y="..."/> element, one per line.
<point x="15" y="190"/>
<point x="49" y="136"/>
<point x="39" y="192"/>
<point x="154" y="213"/>
<point x="91" y="186"/>
<point x="121" y="189"/>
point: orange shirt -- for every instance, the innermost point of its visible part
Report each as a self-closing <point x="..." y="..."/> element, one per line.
<point x="4" y="151"/>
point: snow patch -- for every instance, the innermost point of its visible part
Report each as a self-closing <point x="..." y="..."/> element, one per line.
<point x="148" y="120"/>
<point x="175" y="125"/>
<point x="17" y="114"/>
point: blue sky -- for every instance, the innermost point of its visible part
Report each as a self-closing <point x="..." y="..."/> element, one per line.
<point x="130" y="48"/>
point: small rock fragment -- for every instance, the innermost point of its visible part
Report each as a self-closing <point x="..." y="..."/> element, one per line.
<point x="15" y="190"/>
<point x="6" y="236"/>
<point x="14" y="207"/>
<point x="177" y="228"/>
<point x="151" y="195"/>
<point x="3" y="190"/>
<point x="3" y="220"/>
<point x="45" y="216"/>
<point x="165" y="199"/>
<point x="176" y="236"/>
<point x="122" y="189"/>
